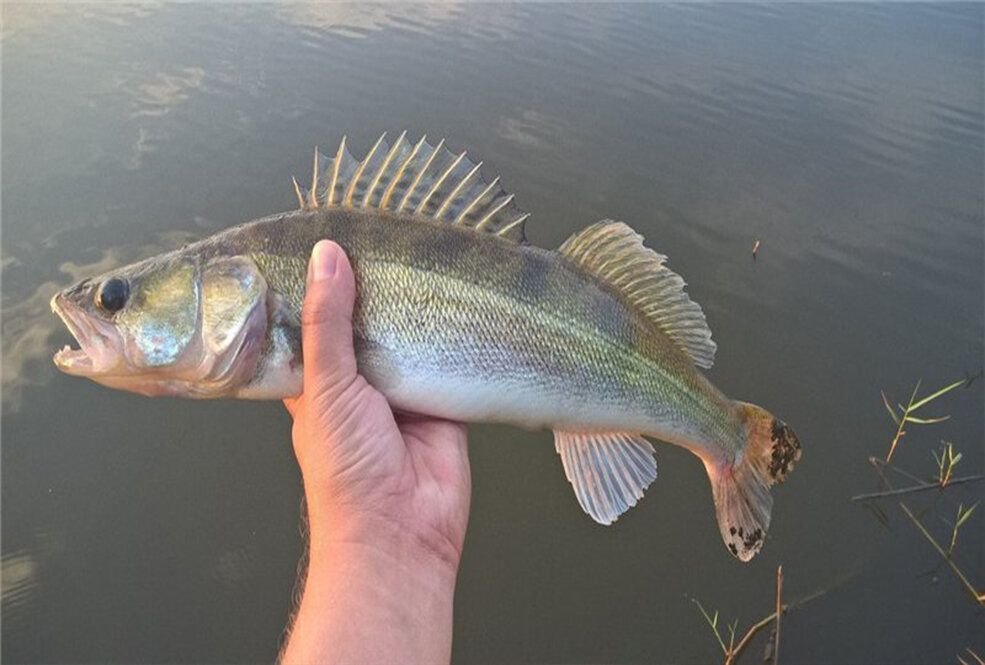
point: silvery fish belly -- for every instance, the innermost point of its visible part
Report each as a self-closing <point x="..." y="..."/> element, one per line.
<point x="457" y="316"/>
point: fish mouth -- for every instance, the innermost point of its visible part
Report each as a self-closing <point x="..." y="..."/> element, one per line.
<point x="95" y="353"/>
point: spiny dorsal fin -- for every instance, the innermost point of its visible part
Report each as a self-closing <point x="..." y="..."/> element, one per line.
<point x="414" y="178"/>
<point x="615" y="253"/>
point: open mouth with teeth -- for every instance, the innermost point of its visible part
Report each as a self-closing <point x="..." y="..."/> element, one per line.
<point x="97" y="353"/>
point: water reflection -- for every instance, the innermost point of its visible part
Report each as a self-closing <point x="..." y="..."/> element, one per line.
<point x="20" y="579"/>
<point x="27" y="20"/>
<point x="535" y="130"/>
<point x="356" y="21"/>
<point x="165" y="91"/>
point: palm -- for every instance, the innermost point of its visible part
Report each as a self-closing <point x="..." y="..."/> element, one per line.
<point x="412" y="469"/>
<point x="438" y="466"/>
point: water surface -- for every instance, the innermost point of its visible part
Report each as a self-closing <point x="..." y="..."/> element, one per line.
<point x="848" y="139"/>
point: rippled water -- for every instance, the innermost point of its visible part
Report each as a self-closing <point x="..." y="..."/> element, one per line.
<point x="848" y="139"/>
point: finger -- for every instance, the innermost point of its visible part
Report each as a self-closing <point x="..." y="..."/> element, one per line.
<point x="326" y="322"/>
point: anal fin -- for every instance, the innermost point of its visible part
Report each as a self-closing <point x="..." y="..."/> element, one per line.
<point x="608" y="470"/>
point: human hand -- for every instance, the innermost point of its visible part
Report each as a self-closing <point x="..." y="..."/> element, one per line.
<point x="370" y="473"/>
<point x="387" y="494"/>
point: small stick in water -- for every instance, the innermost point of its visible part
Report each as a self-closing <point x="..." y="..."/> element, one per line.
<point x="779" y="613"/>
<point x="755" y="250"/>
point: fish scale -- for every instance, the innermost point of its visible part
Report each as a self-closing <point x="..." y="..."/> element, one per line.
<point x="534" y="321"/>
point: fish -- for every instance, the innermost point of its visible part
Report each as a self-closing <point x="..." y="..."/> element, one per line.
<point x="457" y="316"/>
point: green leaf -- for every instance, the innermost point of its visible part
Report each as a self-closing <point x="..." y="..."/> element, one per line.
<point x="926" y="421"/>
<point x="892" y="414"/>
<point x="940" y="392"/>
<point x="964" y="518"/>
<point x="913" y="395"/>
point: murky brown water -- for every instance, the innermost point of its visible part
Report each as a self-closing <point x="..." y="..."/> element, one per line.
<point x="848" y="139"/>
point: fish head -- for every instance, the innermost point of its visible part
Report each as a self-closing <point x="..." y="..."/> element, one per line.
<point x="177" y="324"/>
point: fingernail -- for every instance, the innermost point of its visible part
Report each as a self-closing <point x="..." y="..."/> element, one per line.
<point x="324" y="259"/>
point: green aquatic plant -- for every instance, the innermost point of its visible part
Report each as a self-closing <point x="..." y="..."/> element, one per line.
<point x="905" y="414"/>
<point x="963" y="515"/>
<point x="946" y="462"/>
<point x="732" y="650"/>
<point x="946" y="554"/>
<point x="978" y="596"/>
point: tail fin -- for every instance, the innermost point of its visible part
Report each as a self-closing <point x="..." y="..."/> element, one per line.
<point x="741" y="490"/>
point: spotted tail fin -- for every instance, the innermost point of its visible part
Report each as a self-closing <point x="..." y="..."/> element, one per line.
<point x="742" y="490"/>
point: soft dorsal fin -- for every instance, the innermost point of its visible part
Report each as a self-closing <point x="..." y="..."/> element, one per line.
<point x="414" y="178"/>
<point x="614" y="252"/>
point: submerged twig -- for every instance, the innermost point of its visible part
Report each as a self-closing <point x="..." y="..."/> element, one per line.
<point x="979" y="596"/>
<point x="779" y="613"/>
<point x="731" y="655"/>
<point x="978" y="659"/>
<point x="882" y="464"/>
<point x="923" y="487"/>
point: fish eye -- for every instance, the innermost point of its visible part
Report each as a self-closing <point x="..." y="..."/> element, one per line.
<point x="112" y="295"/>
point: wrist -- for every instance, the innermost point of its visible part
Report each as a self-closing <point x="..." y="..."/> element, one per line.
<point x="399" y="541"/>
<point x="409" y="578"/>
<point x="367" y="602"/>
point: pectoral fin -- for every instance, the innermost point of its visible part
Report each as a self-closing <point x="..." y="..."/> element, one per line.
<point x="608" y="470"/>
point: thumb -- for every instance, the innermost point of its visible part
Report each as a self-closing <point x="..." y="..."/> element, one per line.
<point x="326" y="323"/>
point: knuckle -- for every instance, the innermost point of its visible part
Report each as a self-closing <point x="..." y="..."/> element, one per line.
<point x="341" y="399"/>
